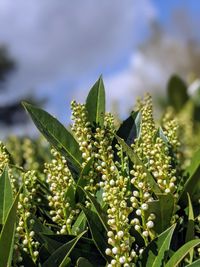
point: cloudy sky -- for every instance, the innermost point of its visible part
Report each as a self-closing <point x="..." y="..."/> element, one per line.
<point x="61" y="47"/>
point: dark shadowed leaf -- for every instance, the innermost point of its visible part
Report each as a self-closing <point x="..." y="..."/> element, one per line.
<point x="95" y="103"/>
<point x="192" y="185"/>
<point x="130" y="128"/>
<point x="85" y="248"/>
<point x="97" y="230"/>
<point x="27" y="261"/>
<point x="82" y="262"/>
<point x="56" y="134"/>
<point x="60" y="256"/>
<point x="177" y="92"/>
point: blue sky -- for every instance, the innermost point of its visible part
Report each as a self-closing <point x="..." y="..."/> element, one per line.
<point x="165" y="8"/>
<point x="61" y="47"/>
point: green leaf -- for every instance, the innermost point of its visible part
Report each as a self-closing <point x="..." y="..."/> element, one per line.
<point x="79" y="224"/>
<point x="7" y="234"/>
<point x="6" y="197"/>
<point x="155" y="253"/>
<point x="177" y="93"/>
<point x="60" y="256"/>
<point x="82" y="181"/>
<point x="130" y="128"/>
<point x="27" y="260"/>
<point x="50" y="244"/>
<point x="70" y="195"/>
<point x="180" y="254"/>
<point x="66" y="262"/>
<point x="82" y="262"/>
<point x="56" y="134"/>
<point x="163" y="209"/>
<point x="85" y="248"/>
<point x="190" y="227"/>
<point x="98" y="232"/>
<point x="161" y="134"/>
<point x="192" y="185"/>
<point x="194" y="264"/>
<point x="134" y="158"/>
<point x="97" y="208"/>
<point x="95" y="103"/>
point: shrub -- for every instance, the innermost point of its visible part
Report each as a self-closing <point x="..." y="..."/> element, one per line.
<point x="106" y="196"/>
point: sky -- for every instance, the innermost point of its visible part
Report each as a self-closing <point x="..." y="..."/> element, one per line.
<point x="62" y="47"/>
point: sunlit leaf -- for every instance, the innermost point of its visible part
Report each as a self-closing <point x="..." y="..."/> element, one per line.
<point x="7" y="234"/>
<point x="6" y="196"/>
<point x="180" y="254"/>
<point x="95" y="103"/>
<point x="155" y="253"/>
<point x="56" y="134"/>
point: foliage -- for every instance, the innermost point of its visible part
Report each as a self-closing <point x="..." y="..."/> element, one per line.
<point x="100" y="196"/>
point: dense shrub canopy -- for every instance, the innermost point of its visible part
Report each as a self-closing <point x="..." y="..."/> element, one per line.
<point x="103" y="195"/>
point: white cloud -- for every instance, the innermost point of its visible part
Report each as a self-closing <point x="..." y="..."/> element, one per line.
<point x="149" y="71"/>
<point x="57" y="42"/>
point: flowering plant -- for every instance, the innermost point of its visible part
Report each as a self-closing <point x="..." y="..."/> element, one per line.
<point x="107" y="196"/>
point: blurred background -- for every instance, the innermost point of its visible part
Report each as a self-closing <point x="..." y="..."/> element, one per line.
<point x="53" y="51"/>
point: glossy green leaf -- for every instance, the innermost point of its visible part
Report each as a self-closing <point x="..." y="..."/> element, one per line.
<point x="80" y="224"/>
<point x="6" y="196"/>
<point x="177" y="92"/>
<point x="97" y="208"/>
<point x="190" y="227"/>
<point x="85" y="248"/>
<point x="97" y="230"/>
<point x="88" y="251"/>
<point x="95" y="103"/>
<point x="155" y="253"/>
<point x="56" y="134"/>
<point x="194" y="264"/>
<point x="60" y="256"/>
<point x="49" y="243"/>
<point x="66" y="262"/>
<point x="82" y="181"/>
<point x="134" y="158"/>
<point x="180" y="254"/>
<point x="161" y="134"/>
<point x="130" y="128"/>
<point x="70" y="196"/>
<point x="192" y="185"/>
<point x="163" y="209"/>
<point x="82" y="262"/>
<point x="7" y="234"/>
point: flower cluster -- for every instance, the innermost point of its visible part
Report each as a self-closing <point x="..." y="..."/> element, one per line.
<point x="114" y="183"/>
<point x="82" y="130"/>
<point x="110" y="177"/>
<point x="24" y="237"/>
<point x="60" y="180"/>
<point x="154" y="151"/>
<point x="4" y="157"/>
<point x="27" y="153"/>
